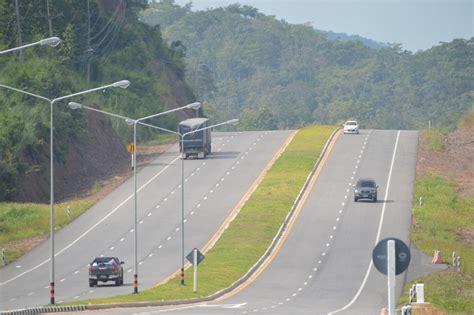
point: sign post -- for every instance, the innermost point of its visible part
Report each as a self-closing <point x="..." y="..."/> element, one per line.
<point x="195" y="278"/>
<point x="195" y="257"/>
<point x="391" y="257"/>
<point x="131" y="150"/>
<point x="391" y="276"/>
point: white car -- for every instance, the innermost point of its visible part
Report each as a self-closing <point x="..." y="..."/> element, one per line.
<point x="351" y="126"/>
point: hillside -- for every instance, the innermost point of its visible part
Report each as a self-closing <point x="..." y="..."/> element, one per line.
<point x="87" y="147"/>
<point x="275" y="75"/>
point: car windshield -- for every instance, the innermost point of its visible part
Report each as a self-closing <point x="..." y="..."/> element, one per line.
<point x="351" y="123"/>
<point x="367" y="183"/>
<point x="104" y="260"/>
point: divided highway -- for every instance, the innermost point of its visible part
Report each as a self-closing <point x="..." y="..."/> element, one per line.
<point x="324" y="266"/>
<point x="213" y="187"/>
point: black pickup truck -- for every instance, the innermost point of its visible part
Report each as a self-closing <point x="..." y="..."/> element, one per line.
<point x="105" y="269"/>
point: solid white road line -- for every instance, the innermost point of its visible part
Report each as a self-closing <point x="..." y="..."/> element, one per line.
<point x="92" y="227"/>
<point x="378" y="233"/>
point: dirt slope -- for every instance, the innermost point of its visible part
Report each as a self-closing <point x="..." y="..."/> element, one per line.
<point x="455" y="161"/>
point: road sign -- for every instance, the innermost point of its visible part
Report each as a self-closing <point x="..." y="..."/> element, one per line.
<point x="199" y="257"/>
<point x="130" y="148"/>
<point x="380" y="256"/>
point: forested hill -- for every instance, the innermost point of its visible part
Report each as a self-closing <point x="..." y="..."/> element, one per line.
<point x="102" y="42"/>
<point x="272" y="74"/>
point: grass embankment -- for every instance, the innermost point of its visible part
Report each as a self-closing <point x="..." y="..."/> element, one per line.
<point x="23" y="225"/>
<point x="445" y="222"/>
<point x="250" y="234"/>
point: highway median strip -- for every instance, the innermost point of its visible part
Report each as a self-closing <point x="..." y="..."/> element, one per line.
<point x="249" y="235"/>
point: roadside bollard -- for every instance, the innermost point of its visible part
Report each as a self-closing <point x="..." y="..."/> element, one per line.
<point x="420" y="200"/>
<point x="406" y="310"/>
<point x="454" y="259"/>
<point x="412" y="294"/>
<point x="420" y="293"/>
<point x="4" y="256"/>
<point x="68" y="211"/>
<point x="458" y="263"/>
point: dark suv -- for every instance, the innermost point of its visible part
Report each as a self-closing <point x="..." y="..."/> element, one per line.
<point x="366" y="188"/>
<point x="105" y="269"/>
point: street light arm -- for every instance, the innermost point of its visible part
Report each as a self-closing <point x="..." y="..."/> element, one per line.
<point x="27" y="93"/>
<point x="194" y="105"/>
<point x="115" y="84"/>
<point x="74" y="105"/>
<point x="159" y="128"/>
<point x="232" y="121"/>
<point x="52" y="41"/>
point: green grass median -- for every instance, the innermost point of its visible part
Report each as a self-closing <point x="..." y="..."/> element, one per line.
<point x="252" y="231"/>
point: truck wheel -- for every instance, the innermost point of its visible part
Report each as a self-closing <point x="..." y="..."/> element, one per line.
<point x="92" y="283"/>
<point x="355" y="199"/>
<point x="117" y="282"/>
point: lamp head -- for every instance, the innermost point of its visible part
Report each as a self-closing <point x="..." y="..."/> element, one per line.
<point x="195" y="105"/>
<point x="74" y="105"/>
<point x="232" y="122"/>
<point x="130" y="122"/>
<point x="52" y="41"/>
<point x="121" y="84"/>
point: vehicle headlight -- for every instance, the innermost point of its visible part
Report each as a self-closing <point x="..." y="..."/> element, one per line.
<point x="356" y="191"/>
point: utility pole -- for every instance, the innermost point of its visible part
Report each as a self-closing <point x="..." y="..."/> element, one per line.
<point x="89" y="50"/>
<point x="18" y="38"/>
<point x="50" y="23"/>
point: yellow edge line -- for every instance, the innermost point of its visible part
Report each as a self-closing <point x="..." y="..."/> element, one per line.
<point x="233" y="214"/>
<point x="285" y="234"/>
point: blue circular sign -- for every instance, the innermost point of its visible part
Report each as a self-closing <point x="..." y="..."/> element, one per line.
<point x="402" y="256"/>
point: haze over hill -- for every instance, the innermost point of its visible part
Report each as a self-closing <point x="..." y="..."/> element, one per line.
<point x="415" y="24"/>
<point x="275" y="75"/>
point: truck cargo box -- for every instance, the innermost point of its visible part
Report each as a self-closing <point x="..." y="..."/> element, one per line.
<point x="196" y="143"/>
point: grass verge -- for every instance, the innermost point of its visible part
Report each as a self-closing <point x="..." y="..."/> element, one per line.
<point x="252" y="231"/>
<point x="434" y="139"/>
<point x="445" y="222"/>
<point x="24" y="225"/>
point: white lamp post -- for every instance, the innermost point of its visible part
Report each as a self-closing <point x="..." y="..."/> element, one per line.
<point x="122" y="84"/>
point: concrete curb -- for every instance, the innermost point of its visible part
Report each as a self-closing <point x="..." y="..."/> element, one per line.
<point x="45" y="309"/>
<point x="235" y="285"/>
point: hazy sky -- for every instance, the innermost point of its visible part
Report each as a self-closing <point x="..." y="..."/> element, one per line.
<point x="416" y="24"/>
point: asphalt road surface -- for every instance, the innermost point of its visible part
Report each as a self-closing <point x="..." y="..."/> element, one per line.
<point x="213" y="187"/>
<point x="324" y="267"/>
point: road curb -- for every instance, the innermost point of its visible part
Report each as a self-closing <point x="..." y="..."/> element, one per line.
<point x="212" y="297"/>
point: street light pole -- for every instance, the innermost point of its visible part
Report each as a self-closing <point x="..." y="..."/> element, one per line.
<point x="51" y="41"/>
<point x="233" y="121"/>
<point x="193" y="106"/>
<point x="121" y="84"/>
